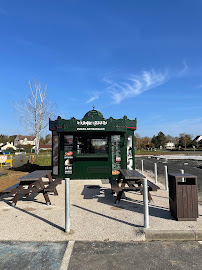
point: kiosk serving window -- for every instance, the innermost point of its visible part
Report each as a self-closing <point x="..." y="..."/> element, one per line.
<point x="96" y="145"/>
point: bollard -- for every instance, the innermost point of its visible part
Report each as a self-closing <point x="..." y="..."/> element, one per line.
<point x="182" y="171"/>
<point x="142" y="166"/>
<point x="166" y="177"/>
<point x="155" y="172"/>
<point x="146" y="206"/>
<point x="67" y="205"/>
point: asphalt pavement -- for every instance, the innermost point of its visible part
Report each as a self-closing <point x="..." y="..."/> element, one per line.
<point x="193" y="167"/>
<point x="101" y="255"/>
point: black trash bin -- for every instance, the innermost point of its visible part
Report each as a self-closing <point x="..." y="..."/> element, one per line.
<point x="183" y="196"/>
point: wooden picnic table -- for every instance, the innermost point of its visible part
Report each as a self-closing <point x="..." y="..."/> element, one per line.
<point x="33" y="183"/>
<point x="133" y="180"/>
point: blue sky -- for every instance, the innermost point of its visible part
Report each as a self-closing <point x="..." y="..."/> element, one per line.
<point x="137" y="58"/>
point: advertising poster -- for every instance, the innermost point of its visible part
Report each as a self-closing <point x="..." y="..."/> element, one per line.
<point x="55" y="154"/>
<point x="68" y="154"/>
<point x="68" y="164"/>
<point x="116" y="154"/>
<point x="129" y="153"/>
<point x="68" y="142"/>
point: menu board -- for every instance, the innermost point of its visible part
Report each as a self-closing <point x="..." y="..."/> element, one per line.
<point x="68" y="154"/>
<point x="116" y="154"/>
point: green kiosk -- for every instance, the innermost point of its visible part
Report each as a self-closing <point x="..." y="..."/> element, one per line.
<point x="93" y="147"/>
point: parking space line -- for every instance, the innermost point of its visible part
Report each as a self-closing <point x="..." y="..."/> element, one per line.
<point x="67" y="256"/>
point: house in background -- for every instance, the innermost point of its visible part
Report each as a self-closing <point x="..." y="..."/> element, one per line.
<point x="6" y="146"/>
<point x="45" y="146"/>
<point x="170" y="145"/>
<point x="198" y="140"/>
<point x="24" y="140"/>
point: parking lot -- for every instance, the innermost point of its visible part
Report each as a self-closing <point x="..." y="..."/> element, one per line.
<point x="193" y="167"/>
<point x="78" y="255"/>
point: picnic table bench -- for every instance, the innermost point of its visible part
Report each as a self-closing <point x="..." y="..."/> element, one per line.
<point x="33" y="183"/>
<point x="133" y="180"/>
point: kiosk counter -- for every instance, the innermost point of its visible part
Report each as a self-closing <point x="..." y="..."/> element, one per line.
<point x="93" y="147"/>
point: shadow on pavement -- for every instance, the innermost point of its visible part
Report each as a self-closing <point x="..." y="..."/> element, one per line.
<point x="106" y="216"/>
<point x="126" y="203"/>
<point x="36" y="216"/>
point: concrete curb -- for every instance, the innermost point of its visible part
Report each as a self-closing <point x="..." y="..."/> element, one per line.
<point x="173" y="235"/>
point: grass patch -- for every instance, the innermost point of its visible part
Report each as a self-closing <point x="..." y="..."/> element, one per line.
<point x="43" y="160"/>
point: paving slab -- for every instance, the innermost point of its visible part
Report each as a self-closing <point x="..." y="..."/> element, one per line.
<point x="142" y="255"/>
<point x="31" y="255"/>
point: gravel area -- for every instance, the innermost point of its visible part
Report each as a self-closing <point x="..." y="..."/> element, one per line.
<point x="190" y="166"/>
<point x="94" y="216"/>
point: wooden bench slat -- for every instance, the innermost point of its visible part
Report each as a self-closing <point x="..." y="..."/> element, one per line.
<point x="53" y="185"/>
<point x="35" y="175"/>
<point x="9" y="189"/>
<point x="153" y="186"/>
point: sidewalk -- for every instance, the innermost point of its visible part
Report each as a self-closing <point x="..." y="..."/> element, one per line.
<point x="94" y="217"/>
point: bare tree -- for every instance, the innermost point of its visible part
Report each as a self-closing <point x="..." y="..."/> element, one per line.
<point x="185" y="140"/>
<point x="35" y="110"/>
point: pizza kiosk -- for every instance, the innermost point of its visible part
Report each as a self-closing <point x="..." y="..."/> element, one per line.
<point x="93" y="147"/>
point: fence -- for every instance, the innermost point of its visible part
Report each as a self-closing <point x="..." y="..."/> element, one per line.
<point x="6" y="161"/>
<point x="9" y="161"/>
<point x="158" y="169"/>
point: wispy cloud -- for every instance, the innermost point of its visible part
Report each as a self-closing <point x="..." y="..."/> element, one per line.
<point x="135" y="85"/>
<point x="184" y="69"/>
<point x="93" y="97"/>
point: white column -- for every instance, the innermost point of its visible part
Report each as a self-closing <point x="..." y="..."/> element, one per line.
<point x="142" y="166"/>
<point x="155" y="172"/>
<point x="67" y="205"/>
<point x="166" y="177"/>
<point x="182" y="171"/>
<point x="146" y="206"/>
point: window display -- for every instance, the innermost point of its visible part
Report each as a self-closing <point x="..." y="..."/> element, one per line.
<point x="87" y="145"/>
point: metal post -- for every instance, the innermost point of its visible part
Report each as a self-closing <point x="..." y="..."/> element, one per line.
<point x="146" y="206"/>
<point x="67" y="205"/>
<point x="155" y="172"/>
<point x="182" y="171"/>
<point x="142" y="166"/>
<point x="166" y="177"/>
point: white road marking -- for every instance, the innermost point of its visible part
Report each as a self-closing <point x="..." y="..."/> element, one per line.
<point x="200" y="242"/>
<point x="67" y="256"/>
